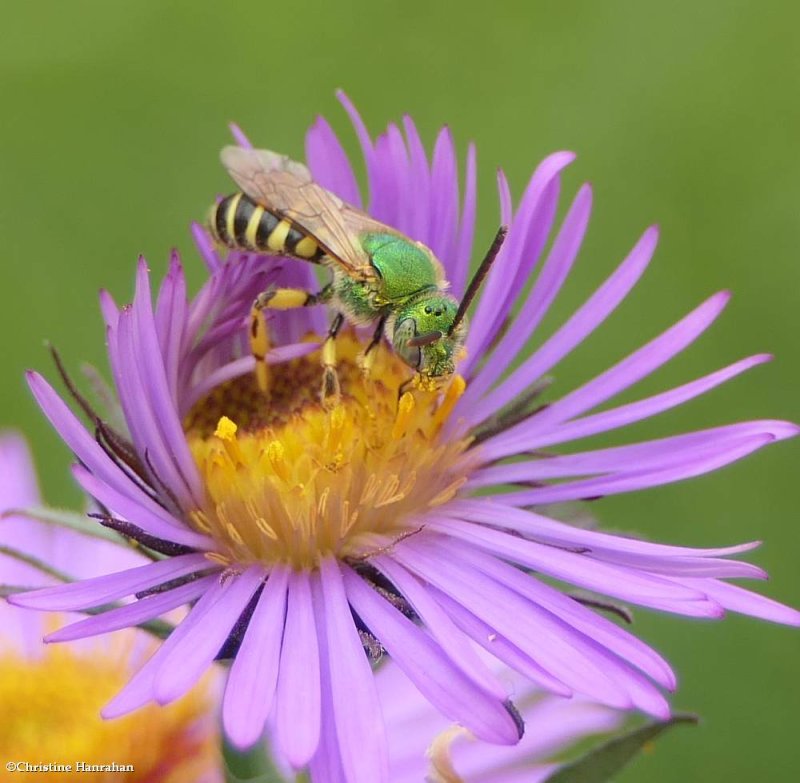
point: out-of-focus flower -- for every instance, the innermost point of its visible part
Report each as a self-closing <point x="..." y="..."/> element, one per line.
<point x="51" y="697"/>
<point x="423" y="746"/>
<point x="303" y="534"/>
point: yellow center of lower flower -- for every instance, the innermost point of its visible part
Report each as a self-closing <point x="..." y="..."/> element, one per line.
<point x="289" y="480"/>
<point x="50" y="707"/>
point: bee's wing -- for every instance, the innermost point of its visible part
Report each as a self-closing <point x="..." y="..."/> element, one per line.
<point x="285" y="186"/>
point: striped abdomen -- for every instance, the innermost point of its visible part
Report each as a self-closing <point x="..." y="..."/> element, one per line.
<point x="239" y="223"/>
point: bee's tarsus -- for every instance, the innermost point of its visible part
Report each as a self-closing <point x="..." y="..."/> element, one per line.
<point x="331" y="389"/>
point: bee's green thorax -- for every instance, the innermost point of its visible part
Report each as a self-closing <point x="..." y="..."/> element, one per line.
<point x="404" y="267"/>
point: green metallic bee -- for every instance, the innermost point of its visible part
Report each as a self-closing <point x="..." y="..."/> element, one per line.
<point x="379" y="275"/>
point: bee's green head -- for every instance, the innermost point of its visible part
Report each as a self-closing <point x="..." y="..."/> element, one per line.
<point x="424" y="337"/>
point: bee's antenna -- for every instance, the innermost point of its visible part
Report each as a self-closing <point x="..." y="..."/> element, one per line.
<point x="479" y="277"/>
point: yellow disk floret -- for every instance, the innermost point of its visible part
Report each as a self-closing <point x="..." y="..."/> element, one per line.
<point x="290" y="481"/>
<point x="50" y="706"/>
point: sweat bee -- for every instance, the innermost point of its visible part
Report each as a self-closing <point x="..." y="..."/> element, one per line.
<point x="378" y="275"/>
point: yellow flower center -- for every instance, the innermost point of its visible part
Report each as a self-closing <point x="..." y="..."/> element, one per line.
<point x="51" y="715"/>
<point x="289" y="480"/>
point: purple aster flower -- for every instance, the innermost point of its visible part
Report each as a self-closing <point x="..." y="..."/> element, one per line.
<point x="50" y="698"/>
<point x="303" y="535"/>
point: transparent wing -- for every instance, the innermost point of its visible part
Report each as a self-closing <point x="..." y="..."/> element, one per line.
<point x="285" y="186"/>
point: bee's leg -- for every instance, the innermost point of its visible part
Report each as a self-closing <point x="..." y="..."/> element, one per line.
<point x="276" y="299"/>
<point x="367" y="359"/>
<point x="331" y="391"/>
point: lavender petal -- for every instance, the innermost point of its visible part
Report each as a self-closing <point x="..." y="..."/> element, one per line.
<point x="442" y="683"/>
<point x="297" y="708"/>
<point x="253" y="678"/>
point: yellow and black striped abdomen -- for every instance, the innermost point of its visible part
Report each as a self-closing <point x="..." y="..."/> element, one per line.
<point x="239" y="223"/>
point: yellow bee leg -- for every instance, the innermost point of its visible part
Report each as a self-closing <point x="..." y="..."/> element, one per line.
<point x="275" y="299"/>
<point x="259" y="346"/>
<point x="366" y="360"/>
<point x="331" y="390"/>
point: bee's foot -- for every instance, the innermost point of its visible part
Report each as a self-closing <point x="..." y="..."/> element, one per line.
<point x="331" y="394"/>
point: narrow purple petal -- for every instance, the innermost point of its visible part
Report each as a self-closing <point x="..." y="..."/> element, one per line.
<point x="498" y="645"/>
<point x="239" y="136"/>
<point x="604" y="578"/>
<point x="714" y="458"/>
<point x="105" y="589"/>
<point x="539" y="222"/>
<point x="108" y="308"/>
<point x="583" y="322"/>
<point x="19" y="487"/>
<point x="184" y="666"/>
<point x="391" y="149"/>
<point x="161" y="403"/>
<point x="329" y="163"/>
<point x="547" y="286"/>
<point x="557" y="647"/>
<point x="326" y="764"/>
<point x="139" y="689"/>
<point x="442" y="683"/>
<point x="647" y="455"/>
<point x="253" y="678"/>
<point x="356" y="709"/>
<point x="205" y="246"/>
<point x="365" y="141"/>
<point x="133" y="614"/>
<point x="737" y="599"/>
<point x="444" y="196"/>
<point x="297" y="711"/>
<point x="85" y="447"/>
<point x="459" y="267"/>
<point x="527" y="435"/>
<point x="638" y="365"/>
<point x="441" y="627"/>
<point x="170" y="319"/>
<point x="560" y="534"/>
<point x="19" y="490"/>
<point x="592" y="625"/>
<point x="420" y="183"/>
<point x="499" y="294"/>
<point x="128" y="508"/>
<point x="130" y="370"/>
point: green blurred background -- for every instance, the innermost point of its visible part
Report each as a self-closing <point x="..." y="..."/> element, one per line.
<point x="684" y="113"/>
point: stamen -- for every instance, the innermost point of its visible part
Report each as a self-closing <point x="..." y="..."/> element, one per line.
<point x="217" y="558"/>
<point x="226" y="433"/>
<point x="277" y="458"/>
<point x="405" y="408"/>
<point x="440" y="756"/>
<point x="451" y="397"/>
<point x="448" y="493"/>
